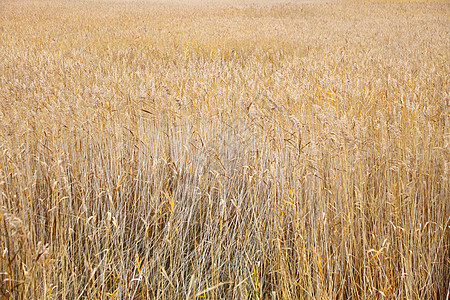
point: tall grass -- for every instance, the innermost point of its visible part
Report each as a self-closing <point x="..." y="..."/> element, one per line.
<point x="224" y="152"/>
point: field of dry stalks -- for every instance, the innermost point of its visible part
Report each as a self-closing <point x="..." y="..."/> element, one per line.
<point x="224" y="151"/>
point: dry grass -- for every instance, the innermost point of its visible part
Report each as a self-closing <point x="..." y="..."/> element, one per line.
<point x="224" y="151"/>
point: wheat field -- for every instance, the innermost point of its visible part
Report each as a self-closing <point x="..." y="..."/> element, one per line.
<point x="224" y="149"/>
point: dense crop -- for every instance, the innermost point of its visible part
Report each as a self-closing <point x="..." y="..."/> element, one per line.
<point x="224" y="151"/>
